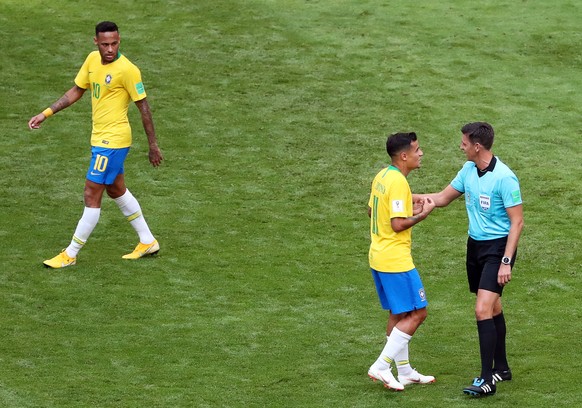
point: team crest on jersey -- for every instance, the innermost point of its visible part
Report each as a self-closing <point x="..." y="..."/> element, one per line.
<point x="484" y="202"/>
<point x="422" y="294"/>
<point x="108" y="79"/>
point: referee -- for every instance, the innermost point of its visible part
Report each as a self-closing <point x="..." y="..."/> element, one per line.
<point x="494" y="208"/>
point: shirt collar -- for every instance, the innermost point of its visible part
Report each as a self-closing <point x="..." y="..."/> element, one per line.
<point x="490" y="167"/>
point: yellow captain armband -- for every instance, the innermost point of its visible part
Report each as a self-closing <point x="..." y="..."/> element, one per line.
<point x="48" y="112"/>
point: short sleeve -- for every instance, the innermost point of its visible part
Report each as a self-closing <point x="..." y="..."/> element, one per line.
<point x="82" y="78"/>
<point x="134" y="84"/>
<point x="510" y="191"/>
<point x="400" y="199"/>
<point x="458" y="182"/>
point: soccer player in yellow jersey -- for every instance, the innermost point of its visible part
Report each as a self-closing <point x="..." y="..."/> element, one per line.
<point x="398" y="284"/>
<point x="113" y="82"/>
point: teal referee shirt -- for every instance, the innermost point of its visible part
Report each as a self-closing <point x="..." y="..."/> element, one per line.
<point x="487" y="195"/>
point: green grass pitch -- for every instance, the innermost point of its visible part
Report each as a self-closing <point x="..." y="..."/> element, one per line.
<point x="272" y="116"/>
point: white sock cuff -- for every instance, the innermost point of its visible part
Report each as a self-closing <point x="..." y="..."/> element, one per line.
<point x="400" y="335"/>
<point x="124" y="199"/>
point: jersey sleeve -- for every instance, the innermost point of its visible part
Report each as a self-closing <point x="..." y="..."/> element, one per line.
<point x="458" y="182"/>
<point x="400" y="199"/>
<point x="82" y="78"/>
<point x="134" y="85"/>
<point x="510" y="191"/>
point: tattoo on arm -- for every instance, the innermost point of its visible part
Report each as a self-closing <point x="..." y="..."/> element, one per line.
<point x="147" y="120"/>
<point x="414" y="218"/>
<point x="61" y="104"/>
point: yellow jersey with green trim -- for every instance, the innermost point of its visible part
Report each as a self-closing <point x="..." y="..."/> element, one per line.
<point x="112" y="87"/>
<point x="391" y="197"/>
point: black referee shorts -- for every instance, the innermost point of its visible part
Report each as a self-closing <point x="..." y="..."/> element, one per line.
<point x="483" y="261"/>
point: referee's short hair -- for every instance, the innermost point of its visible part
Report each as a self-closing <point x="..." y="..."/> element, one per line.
<point x="479" y="132"/>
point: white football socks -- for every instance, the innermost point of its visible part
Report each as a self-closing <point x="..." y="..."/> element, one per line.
<point x="84" y="228"/>
<point x="130" y="208"/>
<point x="395" y="350"/>
<point x="402" y="362"/>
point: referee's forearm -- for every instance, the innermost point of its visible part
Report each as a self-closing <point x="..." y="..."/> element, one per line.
<point x="513" y="239"/>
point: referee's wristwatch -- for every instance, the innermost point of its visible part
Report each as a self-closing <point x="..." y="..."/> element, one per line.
<point x="506" y="260"/>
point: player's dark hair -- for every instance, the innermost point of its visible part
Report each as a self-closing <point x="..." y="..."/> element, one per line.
<point x="105" y="27"/>
<point x="479" y="132"/>
<point x="398" y="142"/>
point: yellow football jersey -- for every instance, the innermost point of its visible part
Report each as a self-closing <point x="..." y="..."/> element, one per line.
<point x="112" y="87"/>
<point x="390" y="198"/>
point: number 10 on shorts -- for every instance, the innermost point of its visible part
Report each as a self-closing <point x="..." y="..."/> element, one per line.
<point x="100" y="163"/>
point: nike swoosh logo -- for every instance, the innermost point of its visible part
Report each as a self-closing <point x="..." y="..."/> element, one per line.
<point x="95" y="174"/>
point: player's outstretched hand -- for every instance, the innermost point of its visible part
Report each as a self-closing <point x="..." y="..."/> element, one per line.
<point x="417" y="203"/>
<point x="35" y="121"/>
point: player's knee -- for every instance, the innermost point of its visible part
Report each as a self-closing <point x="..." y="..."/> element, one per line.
<point x="420" y="315"/>
<point x="114" y="191"/>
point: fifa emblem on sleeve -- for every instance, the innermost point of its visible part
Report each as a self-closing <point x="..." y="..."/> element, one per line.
<point x="397" y="206"/>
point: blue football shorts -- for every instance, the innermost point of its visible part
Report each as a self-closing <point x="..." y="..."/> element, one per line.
<point x="106" y="164"/>
<point x="400" y="292"/>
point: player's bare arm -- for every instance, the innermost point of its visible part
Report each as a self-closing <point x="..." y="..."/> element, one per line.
<point x="401" y="224"/>
<point x="155" y="154"/>
<point x="69" y="98"/>
<point x="515" y="215"/>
